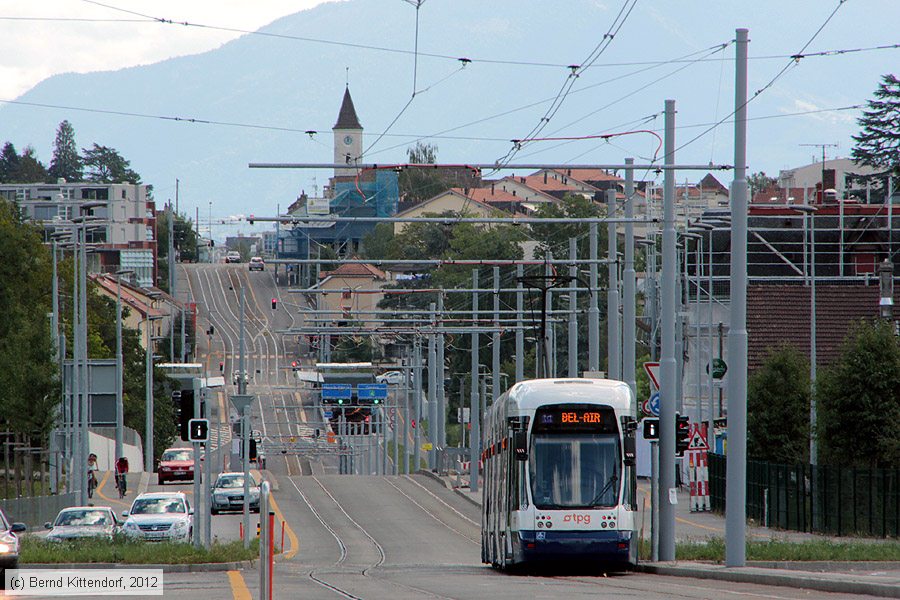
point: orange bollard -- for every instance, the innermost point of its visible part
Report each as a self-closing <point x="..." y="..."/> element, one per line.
<point x="241" y="530"/>
<point x="282" y="536"/>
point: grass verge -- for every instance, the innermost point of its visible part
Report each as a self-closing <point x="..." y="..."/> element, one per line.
<point x="132" y="552"/>
<point x="777" y="550"/>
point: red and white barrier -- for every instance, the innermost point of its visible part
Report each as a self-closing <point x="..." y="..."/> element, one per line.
<point x="697" y="454"/>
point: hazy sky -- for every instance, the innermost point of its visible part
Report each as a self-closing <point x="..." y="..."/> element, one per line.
<point x="43" y="47"/>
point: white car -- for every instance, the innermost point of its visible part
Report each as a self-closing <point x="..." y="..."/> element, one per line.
<point x="159" y="517"/>
<point x="390" y="378"/>
<point x="256" y="264"/>
<point x="81" y="522"/>
<point x="228" y="493"/>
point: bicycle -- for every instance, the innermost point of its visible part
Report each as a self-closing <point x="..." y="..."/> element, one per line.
<point x="121" y="484"/>
<point x="92" y="485"/>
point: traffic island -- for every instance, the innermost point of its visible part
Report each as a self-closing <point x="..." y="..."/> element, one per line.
<point x="120" y="552"/>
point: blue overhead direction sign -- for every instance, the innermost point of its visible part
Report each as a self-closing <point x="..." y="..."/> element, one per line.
<point x="372" y="391"/>
<point x="328" y="414"/>
<point x="337" y="391"/>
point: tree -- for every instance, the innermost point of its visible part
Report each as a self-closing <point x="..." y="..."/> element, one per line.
<point x="760" y="182"/>
<point x="878" y="143"/>
<point x="106" y="165"/>
<point x="9" y="164"/>
<point x="858" y="400"/>
<point x="185" y="244"/>
<point x="26" y="368"/>
<point x="65" y="162"/>
<point x="31" y="170"/>
<point x="417" y="184"/>
<point x="778" y="408"/>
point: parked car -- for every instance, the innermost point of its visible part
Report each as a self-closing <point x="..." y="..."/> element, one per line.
<point x="233" y="257"/>
<point x="228" y="493"/>
<point x="175" y="463"/>
<point x="83" y="522"/>
<point x="256" y="264"/>
<point x="9" y="544"/>
<point x="390" y="378"/>
<point x="159" y="517"/>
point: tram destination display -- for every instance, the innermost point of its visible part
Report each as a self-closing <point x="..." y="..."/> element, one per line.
<point x="575" y="417"/>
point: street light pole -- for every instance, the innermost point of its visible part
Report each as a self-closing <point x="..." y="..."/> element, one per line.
<point x="148" y="401"/>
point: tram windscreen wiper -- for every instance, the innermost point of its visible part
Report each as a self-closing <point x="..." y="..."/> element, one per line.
<point x="612" y="478"/>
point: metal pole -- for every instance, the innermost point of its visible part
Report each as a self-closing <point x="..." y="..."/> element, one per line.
<point x="395" y="427"/>
<point x="629" y="309"/>
<point x="475" y="435"/>
<point x="77" y="475"/>
<point x="613" y="339"/>
<point x="667" y="361"/>
<point x="182" y="353"/>
<point x="433" y="426"/>
<point x="406" y="414"/>
<point x="148" y="401"/>
<point x="242" y="380"/>
<point x="697" y="274"/>
<point x="85" y="369"/>
<point x="171" y="251"/>
<point x="442" y="371"/>
<point x="736" y="474"/>
<point x="654" y="501"/>
<point x="548" y="362"/>
<point x="198" y="501"/>
<point x="573" y="309"/>
<point x="207" y="476"/>
<point x="520" y="332"/>
<point x="710" y="428"/>
<point x="264" y="535"/>
<point x="120" y="410"/>
<point x="813" y="442"/>
<point x="593" y="309"/>
<point x="245" y="438"/>
<point x="417" y="400"/>
<point x="495" y="357"/>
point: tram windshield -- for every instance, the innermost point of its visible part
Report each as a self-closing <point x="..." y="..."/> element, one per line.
<point x="578" y="470"/>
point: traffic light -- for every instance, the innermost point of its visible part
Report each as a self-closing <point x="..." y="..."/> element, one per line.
<point x="176" y="402"/>
<point x="185" y="413"/>
<point x="250" y="219"/>
<point x="221" y="366"/>
<point x="295" y="365"/>
<point x="682" y="434"/>
<point x="274" y="303"/>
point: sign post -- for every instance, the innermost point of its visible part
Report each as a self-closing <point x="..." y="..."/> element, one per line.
<point x="242" y="404"/>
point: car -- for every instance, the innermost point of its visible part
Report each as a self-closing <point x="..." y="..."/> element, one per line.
<point x="175" y="463"/>
<point x="233" y="257"/>
<point x="228" y="493"/>
<point x="390" y="378"/>
<point x="9" y="543"/>
<point x="159" y="517"/>
<point x="81" y="522"/>
<point x="256" y="264"/>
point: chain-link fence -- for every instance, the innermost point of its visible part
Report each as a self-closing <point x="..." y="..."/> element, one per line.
<point x="816" y="498"/>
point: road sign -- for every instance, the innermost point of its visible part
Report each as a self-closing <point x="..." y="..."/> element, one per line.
<point x="337" y="391"/>
<point x="198" y="430"/>
<point x="328" y="414"/>
<point x="652" y="369"/>
<point x="697" y="440"/>
<point x="651" y="429"/>
<point x="651" y="405"/>
<point x="372" y="391"/>
<point x="427" y="446"/>
<point x="719" y="368"/>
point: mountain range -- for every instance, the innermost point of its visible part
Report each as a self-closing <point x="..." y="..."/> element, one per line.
<point x="202" y="118"/>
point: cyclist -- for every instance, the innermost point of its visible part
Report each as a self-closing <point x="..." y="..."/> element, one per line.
<point x="92" y="469"/>
<point x="121" y="472"/>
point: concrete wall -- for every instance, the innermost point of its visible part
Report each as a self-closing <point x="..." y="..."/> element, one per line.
<point x="36" y="511"/>
<point x="105" y="449"/>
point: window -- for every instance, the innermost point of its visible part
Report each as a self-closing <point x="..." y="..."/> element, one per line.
<point x="575" y="470"/>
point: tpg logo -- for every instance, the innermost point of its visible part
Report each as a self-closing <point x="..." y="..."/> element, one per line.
<point x="576" y="518"/>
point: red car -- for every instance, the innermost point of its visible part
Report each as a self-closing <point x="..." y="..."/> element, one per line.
<point x="176" y="463"/>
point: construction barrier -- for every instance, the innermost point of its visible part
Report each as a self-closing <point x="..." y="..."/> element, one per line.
<point x="697" y="456"/>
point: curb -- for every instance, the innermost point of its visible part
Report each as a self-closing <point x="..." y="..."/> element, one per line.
<point x="826" y="566"/>
<point x="175" y="568"/>
<point x="742" y="575"/>
<point x="447" y="485"/>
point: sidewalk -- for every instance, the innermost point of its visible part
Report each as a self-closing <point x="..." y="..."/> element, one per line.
<point x="872" y="578"/>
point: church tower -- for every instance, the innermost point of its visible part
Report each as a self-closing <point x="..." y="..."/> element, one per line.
<point x="347" y="137"/>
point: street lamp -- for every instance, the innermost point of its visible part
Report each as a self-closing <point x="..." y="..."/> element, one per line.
<point x="810" y="227"/>
<point x="120" y="410"/>
<point x="148" y="399"/>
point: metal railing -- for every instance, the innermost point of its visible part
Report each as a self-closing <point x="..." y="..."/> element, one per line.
<point x="816" y="498"/>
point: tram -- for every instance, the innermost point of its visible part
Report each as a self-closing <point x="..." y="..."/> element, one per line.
<point x="559" y="475"/>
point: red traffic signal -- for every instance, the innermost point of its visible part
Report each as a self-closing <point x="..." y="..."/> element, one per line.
<point x="274" y="303"/>
<point x="221" y="367"/>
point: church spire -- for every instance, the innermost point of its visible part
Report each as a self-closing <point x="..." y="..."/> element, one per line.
<point x="347" y="118"/>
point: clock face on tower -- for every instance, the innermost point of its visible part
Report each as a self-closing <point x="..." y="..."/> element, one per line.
<point x="348" y="140"/>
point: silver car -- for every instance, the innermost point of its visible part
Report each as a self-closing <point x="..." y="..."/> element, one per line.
<point x="159" y="517"/>
<point x="81" y="522"/>
<point x="9" y="543"/>
<point x="228" y="493"/>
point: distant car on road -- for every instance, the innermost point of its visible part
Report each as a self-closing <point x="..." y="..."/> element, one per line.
<point x="257" y="264"/>
<point x="159" y="517"/>
<point x="228" y="493"/>
<point x="390" y="378"/>
<point x="83" y="522"/>
<point x="233" y="257"/>
<point x="175" y="463"/>
<point x="9" y="543"/>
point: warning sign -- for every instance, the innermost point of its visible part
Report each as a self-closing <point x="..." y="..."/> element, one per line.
<point x="697" y="440"/>
<point x="652" y="369"/>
